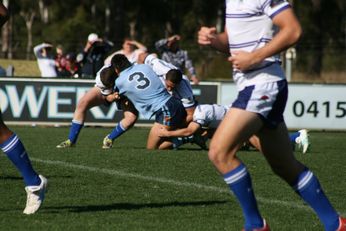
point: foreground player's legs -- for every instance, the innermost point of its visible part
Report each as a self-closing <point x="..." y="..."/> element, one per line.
<point x="12" y="146"/>
<point x="222" y="152"/>
<point x="277" y="149"/>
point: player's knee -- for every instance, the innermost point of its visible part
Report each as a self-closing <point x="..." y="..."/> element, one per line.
<point x="216" y="155"/>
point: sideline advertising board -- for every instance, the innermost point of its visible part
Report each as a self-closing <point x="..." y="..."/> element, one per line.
<point x="310" y="106"/>
<point x="53" y="101"/>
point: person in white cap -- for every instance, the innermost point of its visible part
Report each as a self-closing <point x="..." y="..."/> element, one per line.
<point x="95" y="51"/>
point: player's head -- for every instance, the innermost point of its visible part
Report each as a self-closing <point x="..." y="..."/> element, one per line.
<point x="108" y="76"/>
<point x="173" y="78"/>
<point x="120" y="62"/>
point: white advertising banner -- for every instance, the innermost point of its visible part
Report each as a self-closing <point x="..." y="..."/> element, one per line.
<point x="311" y="106"/>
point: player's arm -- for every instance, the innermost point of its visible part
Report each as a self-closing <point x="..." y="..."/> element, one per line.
<point x="188" y="131"/>
<point x="189" y="114"/>
<point x="4" y="15"/>
<point x="207" y="36"/>
<point x="289" y="33"/>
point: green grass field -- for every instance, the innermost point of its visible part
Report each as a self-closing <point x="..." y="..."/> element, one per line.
<point x="130" y="188"/>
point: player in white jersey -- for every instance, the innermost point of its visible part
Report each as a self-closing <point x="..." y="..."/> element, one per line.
<point x="140" y="84"/>
<point x="181" y="90"/>
<point x="255" y="33"/>
<point x="206" y="119"/>
<point x="96" y="97"/>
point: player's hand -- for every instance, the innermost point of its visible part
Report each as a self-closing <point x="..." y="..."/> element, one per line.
<point x="206" y="35"/>
<point x="162" y="132"/>
<point x="242" y="60"/>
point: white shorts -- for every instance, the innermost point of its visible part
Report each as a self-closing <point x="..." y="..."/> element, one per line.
<point x="268" y="100"/>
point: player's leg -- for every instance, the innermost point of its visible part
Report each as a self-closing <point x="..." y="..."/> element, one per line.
<point x="171" y="116"/>
<point x="92" y="98"/>
<point x="154" y="141"/>
<point x="130" y="118"/>
<point x="35" y="184"/>
<point x="277" y="149"/>
<point x="237" y="126"/>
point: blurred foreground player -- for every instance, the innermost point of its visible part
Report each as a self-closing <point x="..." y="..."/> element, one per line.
<point x="15" y="151"/>
<point x="255" y="33"/>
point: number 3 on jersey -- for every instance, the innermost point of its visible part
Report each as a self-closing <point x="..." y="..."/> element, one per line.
<point x="139" y="77"/>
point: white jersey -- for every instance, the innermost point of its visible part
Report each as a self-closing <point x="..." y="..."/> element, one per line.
<point x="249" y="27"/>
<point x="100" y="85"/>
<point x="183" y="90"/>
<point x="209" y="115"/>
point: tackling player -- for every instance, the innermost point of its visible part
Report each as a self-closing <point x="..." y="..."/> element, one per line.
<point x="96" y="96"/>
<point x="177" y="85"/>
<point x="140" y="84"/>
<point x="206" y="119"/>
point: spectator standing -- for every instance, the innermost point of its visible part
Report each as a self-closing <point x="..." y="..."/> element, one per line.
<point x="45" y="60"/>
<point x="93" y="55"/>
<point x="172" y="53"/>
<point x="72" y="67"/>
<point x="60" y="61"/>
<point x="131" y="49"/>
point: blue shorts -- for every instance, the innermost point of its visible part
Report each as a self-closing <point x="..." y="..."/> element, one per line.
<point x="268" y="100"/>
<point x="172" y="114"/>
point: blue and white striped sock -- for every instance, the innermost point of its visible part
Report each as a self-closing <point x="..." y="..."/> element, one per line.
<point x="309" y="188"/>
<point x="239" y="181"/>
<point x="16" y="152"/>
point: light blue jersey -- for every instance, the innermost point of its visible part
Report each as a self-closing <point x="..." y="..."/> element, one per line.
<point x="143" y="88"/>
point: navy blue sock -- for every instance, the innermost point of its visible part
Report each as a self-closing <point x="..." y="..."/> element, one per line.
<point x="117" y="131"/>
<point x="239" y="181"/>
<point x="294" y="136"/>
<point x="309" y="188"/>
<point x="76" y="126"/>
<point x="16" y="152"/>
<point x="178" y="141"/>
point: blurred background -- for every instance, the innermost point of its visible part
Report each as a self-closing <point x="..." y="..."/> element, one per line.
<point x="319" y="57"/>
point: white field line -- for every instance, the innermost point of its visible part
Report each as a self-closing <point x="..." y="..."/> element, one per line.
<point x="171" y="182"/>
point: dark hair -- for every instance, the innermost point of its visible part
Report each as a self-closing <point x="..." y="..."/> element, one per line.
<point x="108" y="76"/>
<point x="120" y="62"/>
<point x="174" y="75"/>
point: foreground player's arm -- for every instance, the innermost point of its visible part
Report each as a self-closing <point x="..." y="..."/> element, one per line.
<point x="188" y="131"/>
<point x="289" y="33"/>
<point x="207" y="36"/>
<point x="4" y="15"/>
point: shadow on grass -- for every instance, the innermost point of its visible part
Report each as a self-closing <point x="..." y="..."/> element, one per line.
<point x="130" y="206"/>
<point x="3" y="177"/>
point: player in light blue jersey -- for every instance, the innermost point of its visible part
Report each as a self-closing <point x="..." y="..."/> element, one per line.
<point x="11" y="145"/>
<point x="177" y="85"/>
<point x="255" y="34"/>
<point x="140" y="84"/>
